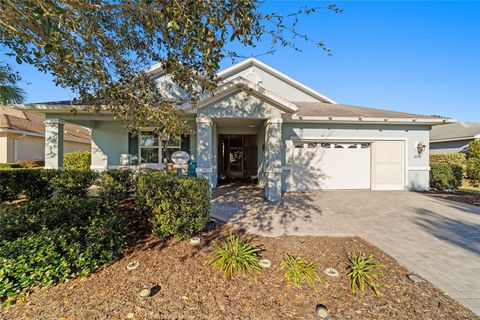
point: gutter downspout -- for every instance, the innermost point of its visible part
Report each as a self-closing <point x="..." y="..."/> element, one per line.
<point x="15" y="146"/>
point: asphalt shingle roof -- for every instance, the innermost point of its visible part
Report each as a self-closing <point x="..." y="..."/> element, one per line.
<point x="344" y="110"/>
<point x="455" y="130"/>
<point x="25" y="121"/>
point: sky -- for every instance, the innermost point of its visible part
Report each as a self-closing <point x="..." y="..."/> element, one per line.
<point x="411" y="56"/>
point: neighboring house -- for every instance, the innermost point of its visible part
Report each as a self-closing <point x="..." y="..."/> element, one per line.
<point x="22" y="136"/>
<point x="453" y="137"/>
<point x="263" y="126"/>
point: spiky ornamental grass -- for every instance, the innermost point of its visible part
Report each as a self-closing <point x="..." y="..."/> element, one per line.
<point x="234" y="256"/>
<point x="299" y="268"/>
<point x="363" y="270"/>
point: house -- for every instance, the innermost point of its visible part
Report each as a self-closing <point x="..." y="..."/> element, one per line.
<point x="453" y="137"/>
<point x="261" y="125"/>
<point x="22" y="136"/>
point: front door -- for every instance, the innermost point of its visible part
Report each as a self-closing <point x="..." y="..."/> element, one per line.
<point x="237" y="158"/>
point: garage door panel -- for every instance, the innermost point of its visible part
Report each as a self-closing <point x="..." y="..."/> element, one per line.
<point x="331" y="168"/>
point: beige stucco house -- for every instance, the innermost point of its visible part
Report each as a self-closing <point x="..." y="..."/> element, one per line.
<point x="22" y="136"/>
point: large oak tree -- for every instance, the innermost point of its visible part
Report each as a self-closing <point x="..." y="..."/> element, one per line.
<point x="98" y="48"/>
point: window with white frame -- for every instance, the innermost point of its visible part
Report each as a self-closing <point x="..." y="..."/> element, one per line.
<point x="174" y="144"/>
<point x="149" y="145"/>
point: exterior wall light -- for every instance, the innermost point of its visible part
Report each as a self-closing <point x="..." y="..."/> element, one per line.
<point x="420" y="146"/>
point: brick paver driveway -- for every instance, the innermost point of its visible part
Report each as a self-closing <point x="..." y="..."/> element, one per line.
<point x="436" y="238"/>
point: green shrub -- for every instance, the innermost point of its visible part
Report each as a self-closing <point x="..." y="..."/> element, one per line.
<point x="77" y="160"/>
<point x="56" y="212"/>
<point x="450" y="158"/>
<point x="445" y="176"/>
<point x="234" y="256"/>
<point x="474" y="149"/>
<point x="116" y="185"/>
<point x="363" y="270"/>
<point x="179" y="206"/>
<point x="9" y="188"/>
<point x="9" y="166"/>
<point x="31" y="163"/>
<point x="300" y="268"/>
<point x="74" y="182"/>
<point x="34" y="183"/>
<point x="473" y="171"/>
<point x="47" y="241"/>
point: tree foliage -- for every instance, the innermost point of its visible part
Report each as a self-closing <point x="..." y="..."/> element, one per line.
<point x="99" y="48"/>
<point x="9" y="90"/>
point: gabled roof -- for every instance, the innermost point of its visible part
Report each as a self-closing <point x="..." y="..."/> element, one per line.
<point x="257" y="63"/>
<point x="18" y="121"/>
<point x="242" y="84"/>
<point x="455" y="131"/>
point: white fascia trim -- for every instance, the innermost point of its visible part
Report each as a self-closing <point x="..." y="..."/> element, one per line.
<point x="254" y="62"/>
<point x="45" y="108"/>
<point x="332" y="119"/>
<point x="34" y="134"/>
<point x="239" y="84"/>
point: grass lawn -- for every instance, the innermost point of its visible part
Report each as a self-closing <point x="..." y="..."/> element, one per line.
<point x="188" y="288"/>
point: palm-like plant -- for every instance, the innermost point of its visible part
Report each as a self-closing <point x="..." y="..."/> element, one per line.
<point x="9" y="91"/>
<point x="236" y="255"/>
<point x="363" y="270"/>
<point x="300" y="268"/>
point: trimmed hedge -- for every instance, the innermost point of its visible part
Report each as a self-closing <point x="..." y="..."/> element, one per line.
<point x="445" y="175"/>
<point x="37" y="183"/>
<point x="50" y="240"/>
<point x="77" y="160"/>
<point x="178" y="206"/>
<point x="9" y="166"/>
<point x="116" y="185"/>
<point x="451" y="158"/>
<point x="31" y="163"/>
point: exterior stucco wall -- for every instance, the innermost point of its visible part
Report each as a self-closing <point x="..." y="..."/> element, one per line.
<point x="109" y="141"/>
<point x="6" y="148"/>
<point x="417" y="167"/>
<point x="239" y="105"/>
<point x="30" y="147"/>
<point x="273" y="84"/>
<point x="449" y="146"/>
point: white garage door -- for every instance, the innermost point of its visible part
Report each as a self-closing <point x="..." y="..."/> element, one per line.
<point x="331" y="166"/>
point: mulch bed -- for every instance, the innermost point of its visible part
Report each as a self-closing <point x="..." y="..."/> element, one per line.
<point x="191" y="289"/>
<point x="459" y="196"/>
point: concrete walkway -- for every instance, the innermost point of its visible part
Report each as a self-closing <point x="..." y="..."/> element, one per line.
<point x="436" y="238"/>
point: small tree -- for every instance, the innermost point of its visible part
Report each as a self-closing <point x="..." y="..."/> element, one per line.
<point x="474" y="149"/>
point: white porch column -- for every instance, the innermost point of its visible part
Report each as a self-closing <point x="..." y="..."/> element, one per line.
<point x="273" y="159"/>
<point x="205" y="148"/>
<point x="54" y="143"/>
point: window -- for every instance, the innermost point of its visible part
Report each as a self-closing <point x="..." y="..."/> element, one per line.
<point x="149" y="147"/>
<point x="352" y="146"/>
<point x="299" y="146"/>
<point x="365" y="145"/>
<point x="339" y="146"/>
<point x="312" y="145"/>
<point x="174" y="144"/>
<point x="326" y="145"/>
